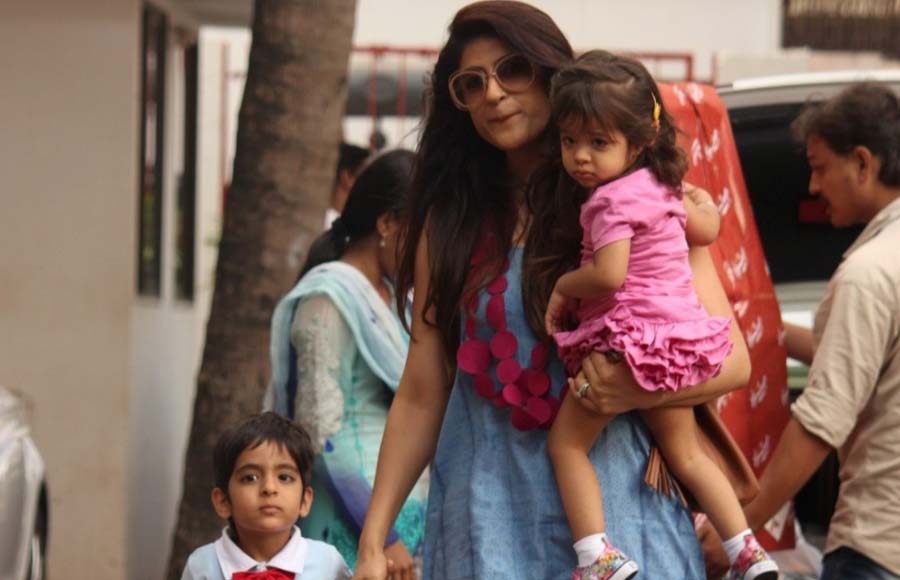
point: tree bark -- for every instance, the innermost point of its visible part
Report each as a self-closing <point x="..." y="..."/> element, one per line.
<point x="287" y="143"/>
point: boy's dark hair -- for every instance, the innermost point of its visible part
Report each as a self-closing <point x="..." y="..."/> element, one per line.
<point x="267" y="427"/>
<point x="618" y="93"/>
<point x="866" y="114"/>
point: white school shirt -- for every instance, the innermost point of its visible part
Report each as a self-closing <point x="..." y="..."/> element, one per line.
<point x="307" y="559"/>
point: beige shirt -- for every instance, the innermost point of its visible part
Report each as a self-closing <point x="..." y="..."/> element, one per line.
<point x="852" y="396"/>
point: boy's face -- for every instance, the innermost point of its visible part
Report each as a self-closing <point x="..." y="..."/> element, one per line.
<point x="593" y="157"/>
<point x="265" y="493"/>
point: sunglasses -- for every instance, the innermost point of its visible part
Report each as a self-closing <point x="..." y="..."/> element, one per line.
<point x="514" y="74"/>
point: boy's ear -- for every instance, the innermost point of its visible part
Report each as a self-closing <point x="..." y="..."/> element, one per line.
<point x="221" y="503"/>
<point x="306" y="501"/>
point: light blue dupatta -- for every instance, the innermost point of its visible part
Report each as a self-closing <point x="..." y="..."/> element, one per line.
<point x="381" y="339"/>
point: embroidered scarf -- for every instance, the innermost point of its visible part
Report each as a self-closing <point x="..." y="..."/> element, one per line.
<point x="378" y="333"/>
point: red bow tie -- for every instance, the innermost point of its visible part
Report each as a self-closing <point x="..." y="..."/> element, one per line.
<point x="267" y="574"/>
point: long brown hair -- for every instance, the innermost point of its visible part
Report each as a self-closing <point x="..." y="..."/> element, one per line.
<point x="460" y="181"/>
<point x="611" y="92"/>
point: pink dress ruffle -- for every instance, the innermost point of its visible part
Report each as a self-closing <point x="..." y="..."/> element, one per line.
<point x="662" y="355"/>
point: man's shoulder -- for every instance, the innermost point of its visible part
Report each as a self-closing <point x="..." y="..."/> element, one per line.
<point x="874" y="265"/>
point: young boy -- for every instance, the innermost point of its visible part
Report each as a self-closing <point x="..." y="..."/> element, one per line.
<point x="261" y="469"/>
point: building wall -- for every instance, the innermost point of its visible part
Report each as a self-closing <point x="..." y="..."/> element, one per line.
<point x="68" y="153"/>
<point x="700" y="27"/>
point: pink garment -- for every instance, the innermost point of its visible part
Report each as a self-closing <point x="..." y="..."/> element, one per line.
<point x="655" y="319"/>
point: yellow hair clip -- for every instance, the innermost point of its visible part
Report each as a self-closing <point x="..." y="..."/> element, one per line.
<point x="657" y="111"/>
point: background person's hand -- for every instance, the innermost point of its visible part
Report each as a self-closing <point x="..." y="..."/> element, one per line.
<point x="371" y="566"/>
<point x="713" y="553"/>
<point x="400" y="563"/>
<point x="613" y="388"/>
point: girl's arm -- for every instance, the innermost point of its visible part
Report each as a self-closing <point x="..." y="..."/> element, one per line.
<point x="606" y="273"/>
<point x="412" y="429"/>
<point x="613" y="388"/>
<point x="703" y="218"/>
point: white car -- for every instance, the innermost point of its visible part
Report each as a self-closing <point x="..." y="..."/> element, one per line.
<point x="23" y="496"/>
<point x="802" y="248"/>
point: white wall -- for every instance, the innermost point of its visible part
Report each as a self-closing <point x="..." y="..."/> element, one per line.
<point x="700" y="27"/>
<point x="68" y="152"/>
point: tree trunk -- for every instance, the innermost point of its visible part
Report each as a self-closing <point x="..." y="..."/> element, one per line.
<point x="287" y="142"/>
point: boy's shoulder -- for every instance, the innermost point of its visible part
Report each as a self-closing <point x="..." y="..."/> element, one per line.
<point x="203" y="564"/>
<point x="323" y="562"/>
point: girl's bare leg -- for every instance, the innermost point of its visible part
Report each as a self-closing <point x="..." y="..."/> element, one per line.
<point x="675" y="432"/>
<point x="573" y="434"/>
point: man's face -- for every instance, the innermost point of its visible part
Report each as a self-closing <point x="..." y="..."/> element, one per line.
<point x="836" y="178"/>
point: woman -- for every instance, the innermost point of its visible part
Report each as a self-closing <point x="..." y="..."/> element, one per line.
<point x="338" y="348"/>
<point x="494" y="511"/>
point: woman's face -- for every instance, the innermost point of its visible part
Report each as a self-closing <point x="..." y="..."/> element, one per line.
<point x="506" y="120"/>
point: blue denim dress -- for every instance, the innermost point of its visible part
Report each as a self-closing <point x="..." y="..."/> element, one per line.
<point x="493" y="508"/>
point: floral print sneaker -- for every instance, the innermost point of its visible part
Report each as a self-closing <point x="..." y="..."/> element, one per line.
<point x="612" y="564"/>
<point x="753" y="563"/>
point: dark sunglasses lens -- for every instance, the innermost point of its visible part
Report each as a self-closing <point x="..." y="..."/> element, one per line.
<point x="468" y="88"/>
<point x="515" y="73"/>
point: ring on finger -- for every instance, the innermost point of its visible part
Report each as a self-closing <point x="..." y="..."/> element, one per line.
<point x="583" y="389"/>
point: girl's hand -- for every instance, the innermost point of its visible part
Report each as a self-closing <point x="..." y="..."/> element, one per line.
<point x="400" y="563"/>
<point x="613" y="388"/>
<point x="371" y="566"/>
<point x="556" y="310"/>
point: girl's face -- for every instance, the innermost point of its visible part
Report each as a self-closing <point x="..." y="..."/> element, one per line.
<point x="507" y="120"/>
<point x="593" y="157"/>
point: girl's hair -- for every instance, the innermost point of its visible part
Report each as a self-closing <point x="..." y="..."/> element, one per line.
<point x="606" y="92"/>
<point x="381" y="187"/>
<point x="460" y="183"/>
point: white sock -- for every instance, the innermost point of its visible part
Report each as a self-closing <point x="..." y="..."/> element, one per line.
<point x="733" y="546"/>
<point x="589" y="548"/>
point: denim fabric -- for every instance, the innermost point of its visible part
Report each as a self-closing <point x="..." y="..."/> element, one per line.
<point x="848" y="564"/>
<point x="494" y="511"/>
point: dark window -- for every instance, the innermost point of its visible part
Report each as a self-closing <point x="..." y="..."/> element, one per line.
<point x="185" y="227"/>
<point x="153" y="61"/>
<point x="799" y="242"/>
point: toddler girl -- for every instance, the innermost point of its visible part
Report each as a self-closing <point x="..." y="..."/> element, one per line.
<point x="635" y="300"/>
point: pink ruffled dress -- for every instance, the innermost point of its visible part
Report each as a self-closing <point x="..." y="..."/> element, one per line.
<point x="655" y="319"/>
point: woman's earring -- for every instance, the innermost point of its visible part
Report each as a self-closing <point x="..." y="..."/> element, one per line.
<point x="381" y="242"/>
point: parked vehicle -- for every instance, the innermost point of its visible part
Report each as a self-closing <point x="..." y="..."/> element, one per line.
<point x="801" y="246"/>
<point x="23" y="495"/>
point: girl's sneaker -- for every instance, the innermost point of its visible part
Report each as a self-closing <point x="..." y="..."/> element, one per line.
<point x="612" y="564"/>
<point x="753" y="563"/>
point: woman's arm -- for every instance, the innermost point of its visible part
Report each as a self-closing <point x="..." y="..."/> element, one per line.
<point x="413" y="425"/>
<point x="613" y="388"/>
<point x="799" y="343"/>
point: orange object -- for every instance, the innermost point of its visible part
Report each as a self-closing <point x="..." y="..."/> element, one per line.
<point x="756" y="415"/>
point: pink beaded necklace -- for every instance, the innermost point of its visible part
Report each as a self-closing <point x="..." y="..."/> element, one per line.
<point x="525" y="391"/>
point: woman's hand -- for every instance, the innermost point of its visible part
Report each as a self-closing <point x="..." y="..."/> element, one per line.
<point x="556" y="310"/>
<point x="613" y="388"/>
<point x="713" y="554"/>
<point x="400" y="563"/>
<point x="371" y="565"/>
